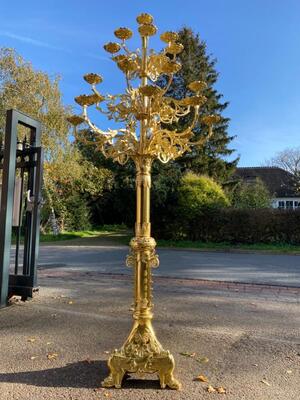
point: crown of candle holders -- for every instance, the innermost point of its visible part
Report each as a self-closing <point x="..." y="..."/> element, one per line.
<point x="146" y="111"/>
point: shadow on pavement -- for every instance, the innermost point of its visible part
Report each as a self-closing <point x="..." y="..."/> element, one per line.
<point x="83" y="374"/>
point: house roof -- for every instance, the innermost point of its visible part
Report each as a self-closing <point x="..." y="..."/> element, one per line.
<point x="278" y="181"/>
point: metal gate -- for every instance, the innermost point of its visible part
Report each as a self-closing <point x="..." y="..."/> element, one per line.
<point x="21" y="164"/>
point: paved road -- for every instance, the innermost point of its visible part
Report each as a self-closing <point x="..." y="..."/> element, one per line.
<point x="250" y="268"/>
<point x="246" y="337"/>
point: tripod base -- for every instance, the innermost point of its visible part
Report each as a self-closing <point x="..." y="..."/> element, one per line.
<point x="141" y="353"/>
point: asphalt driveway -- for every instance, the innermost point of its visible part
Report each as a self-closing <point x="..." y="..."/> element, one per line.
<point x="231" y="267"/>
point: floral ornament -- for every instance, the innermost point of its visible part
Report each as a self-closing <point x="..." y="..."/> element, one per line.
<point x="123" y="33"/>
<point x="147" y="105"/>
<point x="169" y="37"/>
<point x="93" y="79"/>
<point x="112" y="47"/>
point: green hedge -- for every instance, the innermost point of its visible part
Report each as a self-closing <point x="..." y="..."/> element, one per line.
<point x="236" y="226"/>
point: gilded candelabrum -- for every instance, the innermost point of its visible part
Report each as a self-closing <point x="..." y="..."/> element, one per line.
<point x="146" y="111"/>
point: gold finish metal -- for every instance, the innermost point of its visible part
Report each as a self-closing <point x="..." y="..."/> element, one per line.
<point x="148" y="106"/>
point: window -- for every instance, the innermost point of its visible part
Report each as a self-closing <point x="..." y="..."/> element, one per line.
<point x="296" y="204"/>
<point x="281" y="204"/>
<point x="289" y="204"/>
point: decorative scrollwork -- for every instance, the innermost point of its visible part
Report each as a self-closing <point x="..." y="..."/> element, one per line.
<point x="145" y="105"/>
<point x="144" y="248"/>
<point x="141" y="353"/>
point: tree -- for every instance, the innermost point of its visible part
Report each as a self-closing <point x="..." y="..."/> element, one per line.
<point x="198" y="195"/>
<point x="212" y="159"/>
<point x="73" y="185"/>
<point x="250" y="195"/>
<point x="66" y="174"/>
<point x="289" y="160"/>
<point x="116" y="205"/>
<point x="35" y="94"/>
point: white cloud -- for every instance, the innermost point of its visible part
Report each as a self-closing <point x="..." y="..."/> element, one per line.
<point x="31" y="41"/>
<point x="100" y="58"/>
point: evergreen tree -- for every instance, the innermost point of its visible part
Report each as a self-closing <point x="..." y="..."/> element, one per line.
<point x="211" y="159"/>
<point x="117" y="205"/>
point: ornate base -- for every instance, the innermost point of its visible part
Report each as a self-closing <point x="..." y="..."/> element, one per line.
<point x="141" y="353"/>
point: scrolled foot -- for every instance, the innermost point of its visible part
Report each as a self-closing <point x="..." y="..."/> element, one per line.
<point x="173" y="383"/>
<point x="108" y="382"/>
<point x="113" y="380"/>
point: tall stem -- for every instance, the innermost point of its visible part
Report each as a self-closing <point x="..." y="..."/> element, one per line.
<point x="142" y="351"/>
<point x="143" y="245"/>
<point x="144" y="81"/>
<point x="142" y="228"/>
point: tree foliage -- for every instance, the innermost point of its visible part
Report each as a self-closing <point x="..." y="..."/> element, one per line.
<point x="199" y="193"/>
<point x="289" y="160"/>
<point x="197" y="64"/>
<point x="250" y="195"/>
<point x="69" y="179"/>
<point x="197" y="196"/>
<point x="117" y="206"/>
<point x="35" y="94"/>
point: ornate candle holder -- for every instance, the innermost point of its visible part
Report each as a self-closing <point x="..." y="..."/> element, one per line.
<point x="148" y="107"/>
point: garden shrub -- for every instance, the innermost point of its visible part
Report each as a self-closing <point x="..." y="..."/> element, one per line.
<point x="239" y="226"/>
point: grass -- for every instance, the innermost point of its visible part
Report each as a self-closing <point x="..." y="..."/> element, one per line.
<point x="121" y="235"/>
<point x="277" y="247"/>
<point x="101" y="231"/>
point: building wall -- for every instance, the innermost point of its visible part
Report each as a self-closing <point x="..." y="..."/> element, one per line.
<point x="286" y="202"/>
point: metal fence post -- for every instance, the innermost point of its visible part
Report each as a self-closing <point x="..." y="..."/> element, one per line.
<point x="8" y="181"/>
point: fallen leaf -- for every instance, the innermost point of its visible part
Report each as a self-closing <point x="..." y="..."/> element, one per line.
<point x="265" y="382"/>
<point x="107" y="394"/>
<point x="52" y="356"/>
<point x="186" y="354"/>
<point x="33" y="357"/>
<point x="255" y="365"/>
<point x="183" y="353"/>
<point x="210" y="389"/>
<point x="107" y="352"/>
<point x="289" y="371"/>
<point x="31" y="340"/>
<point x="48" y="343"/>
<point x="203" y="360"/>
<point x="70" y="302"/>
<point x="202" y="378"/>
<point x="221" y="390"/>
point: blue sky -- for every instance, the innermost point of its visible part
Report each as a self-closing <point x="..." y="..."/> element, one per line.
<point x="256" y="42"/>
